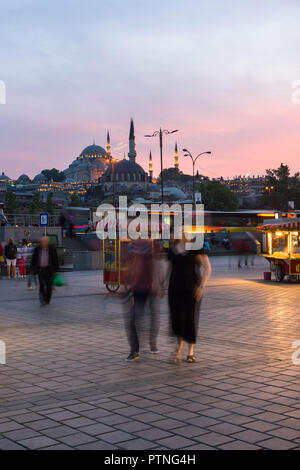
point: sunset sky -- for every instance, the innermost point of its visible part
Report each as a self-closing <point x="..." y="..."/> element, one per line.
<point x="219" y="71"/>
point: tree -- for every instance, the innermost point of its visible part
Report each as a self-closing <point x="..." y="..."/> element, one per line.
<point x="74" y="200"/>
<point x="280" y="188"/>
<point x="170" y="174"/>
<point x="54" y="175"/>
<point x="49" y="204"/>
<point x="217" y="196"/>
<point x="294" y="195"/>
<point x="174" y="175"/>
<point x="11" y="203"/>
<point x="36" y="205"/>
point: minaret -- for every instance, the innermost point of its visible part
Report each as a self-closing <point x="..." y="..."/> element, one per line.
<point x="108" y="148"/>
<point x="176" y="164"/>
<point x="132" y="152"/>
<point x="150" y="168"/>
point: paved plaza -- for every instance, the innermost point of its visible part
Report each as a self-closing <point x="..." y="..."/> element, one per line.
<point x="66" y="385"/>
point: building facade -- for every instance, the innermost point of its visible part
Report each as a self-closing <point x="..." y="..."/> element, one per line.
<point x="90" y="165"/>
<point x="126" y="174"/>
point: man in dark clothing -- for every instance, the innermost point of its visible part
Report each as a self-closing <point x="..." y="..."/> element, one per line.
<point x="45" y="263"/>
<point x="10" y="252"/>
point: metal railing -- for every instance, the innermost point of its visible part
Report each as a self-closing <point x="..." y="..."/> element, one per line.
<point x="29" y="220"/>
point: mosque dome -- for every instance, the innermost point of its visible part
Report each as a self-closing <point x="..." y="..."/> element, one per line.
<point x="89" y="166"/>
<point x="125" y="170"/>
<point x="93" y="151"/>
<point x="4" y="177"/>
<point x="23" y="179"/>
<point x="94" y="164"/>
<point x="174" y="192"/>
<point x="40" y="178"/>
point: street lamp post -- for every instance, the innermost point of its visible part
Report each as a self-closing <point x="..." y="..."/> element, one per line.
<point x="113" y="161"/>
<point x="188" y="154"/>
<point x="113" y="179"/>
<point x="160" y="133"/>
<point x="269" y="189"/>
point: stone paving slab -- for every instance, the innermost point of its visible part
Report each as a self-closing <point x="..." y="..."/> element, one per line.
<point x="66" y="384"/>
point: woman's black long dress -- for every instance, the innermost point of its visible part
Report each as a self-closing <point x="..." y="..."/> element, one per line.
<point x="184" y="310"/>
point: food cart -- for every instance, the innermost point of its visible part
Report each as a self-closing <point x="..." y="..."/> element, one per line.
<point x="116" y="254"/>
<point x="115" y="257"/>
<point x="281" y="247"/>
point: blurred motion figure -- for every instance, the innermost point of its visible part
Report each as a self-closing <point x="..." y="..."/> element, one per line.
<point x="189" y="272"/>
<point x="45" y="263"/>
<point x="145" y="288"/>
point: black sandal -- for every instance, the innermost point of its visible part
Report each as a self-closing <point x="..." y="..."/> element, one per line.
<point x="191" y="359"/>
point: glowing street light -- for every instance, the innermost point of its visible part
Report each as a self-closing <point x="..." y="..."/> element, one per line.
<point x="160" y="133"/>
<point x="187" y="153"/>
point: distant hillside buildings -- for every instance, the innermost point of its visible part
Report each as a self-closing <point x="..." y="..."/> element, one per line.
<point x="96" y="173"/>
<point x="247" y="189"/>
<point x="95" y="167"/>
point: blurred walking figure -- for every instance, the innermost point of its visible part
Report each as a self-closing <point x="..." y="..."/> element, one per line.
<point x="10" y="252"/>
<point x="145" y="292"/>
<point x="157" y="292"/>
<point x="31" y="277"/>
<point x="206" y="247"/>
<point x="70" y="230"/>
<point x="213" y="239"/>
<point x="22" y="257"/>
<point x="189" y="272"/>
<point x="244" y="253"/>
<point x="226" y="242"/>
<point x="62" y="221"/>
<point x="45" y="263"/>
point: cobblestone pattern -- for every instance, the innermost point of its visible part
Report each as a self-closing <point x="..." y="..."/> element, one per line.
<point x="66" y="385"/>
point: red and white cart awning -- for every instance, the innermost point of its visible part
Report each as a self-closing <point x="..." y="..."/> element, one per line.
<point x="282" y="226"/>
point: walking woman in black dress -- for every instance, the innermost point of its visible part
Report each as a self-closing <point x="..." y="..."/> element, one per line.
<point x="189" y="272"/>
